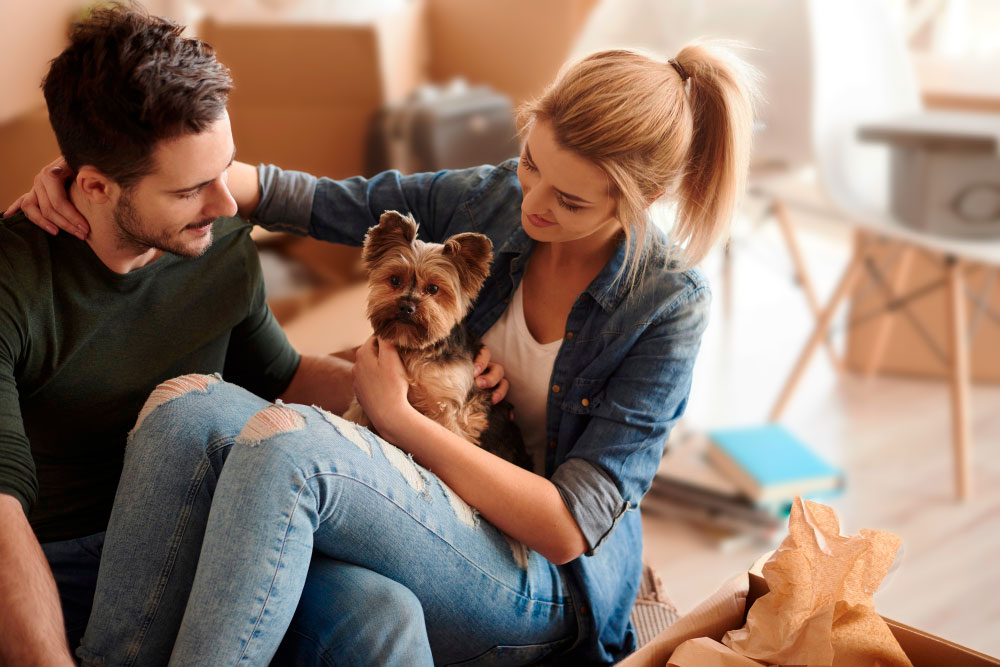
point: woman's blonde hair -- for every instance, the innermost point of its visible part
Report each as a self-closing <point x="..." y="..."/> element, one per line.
<point x="655" y="127"/>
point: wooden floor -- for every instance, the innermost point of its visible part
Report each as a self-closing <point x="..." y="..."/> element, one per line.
<point x="892" y="437"/>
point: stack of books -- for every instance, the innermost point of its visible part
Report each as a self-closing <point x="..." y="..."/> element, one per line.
<point x="738" y="484"/>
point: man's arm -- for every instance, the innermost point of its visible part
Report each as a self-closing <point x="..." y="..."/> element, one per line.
<point x="31" y="623"/>
<point x="323" y="381"/>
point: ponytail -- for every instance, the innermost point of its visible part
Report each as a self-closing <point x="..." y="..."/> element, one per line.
<point x="721" y="103"/>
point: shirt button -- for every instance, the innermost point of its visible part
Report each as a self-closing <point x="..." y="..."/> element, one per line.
<point x="569" y="335"/>
<point x="555" y="389"/>
<point x="552" y="444"/>
<point x="583" y="610"/>
<point x="585" y="402"/>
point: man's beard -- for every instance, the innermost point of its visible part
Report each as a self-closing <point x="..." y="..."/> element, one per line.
<point x="133" y="233"/>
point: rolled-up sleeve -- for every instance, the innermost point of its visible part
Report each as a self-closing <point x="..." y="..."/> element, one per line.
<point x="612" y="464"/>
<point x="591" y="497"/>
<point x="286" y="199"/>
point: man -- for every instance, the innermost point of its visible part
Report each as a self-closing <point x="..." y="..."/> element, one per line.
<point x="165" y="283"/>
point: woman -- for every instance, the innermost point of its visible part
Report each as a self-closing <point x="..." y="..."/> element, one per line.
<point x="506" y="566"/>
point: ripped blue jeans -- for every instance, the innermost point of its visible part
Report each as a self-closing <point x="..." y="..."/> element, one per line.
<point x="210" y="571"/>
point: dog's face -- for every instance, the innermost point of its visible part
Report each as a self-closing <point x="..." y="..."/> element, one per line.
<point x="419" y="291"/>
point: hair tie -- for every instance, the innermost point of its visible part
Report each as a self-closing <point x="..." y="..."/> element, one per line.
<point x="680" y="70"/>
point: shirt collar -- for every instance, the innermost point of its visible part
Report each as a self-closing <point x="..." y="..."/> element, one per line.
<point x="608" y="288"/>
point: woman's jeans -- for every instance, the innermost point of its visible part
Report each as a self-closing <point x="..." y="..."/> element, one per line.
<point x="206" y="563"/>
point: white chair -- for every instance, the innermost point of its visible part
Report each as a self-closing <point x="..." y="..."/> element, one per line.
<point x="862" y="73"/>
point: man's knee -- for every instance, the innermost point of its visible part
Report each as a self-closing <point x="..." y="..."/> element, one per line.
<point x="269" y="422"/>
<point x="399" y="604"/>
<point x="174" y="389"/>
<point x="368" y="605"/>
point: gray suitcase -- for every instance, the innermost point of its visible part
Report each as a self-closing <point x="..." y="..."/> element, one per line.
<point x="442" y="128"/>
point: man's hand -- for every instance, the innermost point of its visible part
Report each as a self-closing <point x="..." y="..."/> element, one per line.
<point x="490" y="375"/>
<point x="47" y="204"/>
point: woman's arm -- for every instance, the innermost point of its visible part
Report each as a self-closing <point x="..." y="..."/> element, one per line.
<point x="524" y="505"/>
<point x="243" y="187"/>
<point x="342" y="211"/>
<point x="48" y="206"/>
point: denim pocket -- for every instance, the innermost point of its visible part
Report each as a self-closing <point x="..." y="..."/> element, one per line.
<point x="528" y="654"/>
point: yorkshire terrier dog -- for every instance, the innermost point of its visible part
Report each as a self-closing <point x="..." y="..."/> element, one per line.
<point x="419" y="294"/>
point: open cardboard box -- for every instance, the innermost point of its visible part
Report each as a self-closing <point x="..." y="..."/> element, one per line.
<point x="727" y="609"/>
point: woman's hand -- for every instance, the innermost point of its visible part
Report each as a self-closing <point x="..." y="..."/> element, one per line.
<point x="47" y="204"/>
<point x="490" y="375"/>
<point x="381" y="385"/>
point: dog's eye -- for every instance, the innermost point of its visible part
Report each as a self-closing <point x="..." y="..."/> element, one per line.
<point x="395" y="281"/>
<point x="431" y="289"/>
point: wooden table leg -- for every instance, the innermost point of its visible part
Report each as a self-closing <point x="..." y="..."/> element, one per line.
<point x="959" y="380"/>
<point x="846" y="286"/>
<point x="888" y="318"/>
<point x="788" y="231"/>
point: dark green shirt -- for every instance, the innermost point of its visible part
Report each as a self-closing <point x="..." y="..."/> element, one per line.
<point x="81" y="347"/>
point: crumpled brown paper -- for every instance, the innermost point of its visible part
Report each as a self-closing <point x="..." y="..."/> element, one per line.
<point x="819" y="608"/>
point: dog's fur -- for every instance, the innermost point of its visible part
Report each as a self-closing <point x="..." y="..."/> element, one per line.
<point x="419" y="294"/>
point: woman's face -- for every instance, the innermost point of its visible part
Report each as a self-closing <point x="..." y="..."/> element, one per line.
<point x="565" y="196"/>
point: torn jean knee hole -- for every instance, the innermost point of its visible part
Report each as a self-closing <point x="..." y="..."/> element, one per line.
<point x="518" y="551"/>
<point x="175" y="388"/>
<point x="272" y="420"/>
<point x="463" y="510"/>
<point x="403" y="462"/>
<point x="348" y="430"/>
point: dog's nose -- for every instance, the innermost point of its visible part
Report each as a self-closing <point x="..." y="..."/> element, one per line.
<point x="407" y="307"/>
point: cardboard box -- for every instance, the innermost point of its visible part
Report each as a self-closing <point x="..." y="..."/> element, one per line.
<point x="726" y="610"/>
<point x="516" y="47"/>
<point x="907" y="351"/>
<point x="305" y="92"/>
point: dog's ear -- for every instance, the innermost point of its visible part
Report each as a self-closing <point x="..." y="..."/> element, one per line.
<point x="472" y="254"/>
<point x="392" y="231"/>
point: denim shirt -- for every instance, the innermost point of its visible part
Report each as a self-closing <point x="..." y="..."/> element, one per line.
<point x="621" y="377"/>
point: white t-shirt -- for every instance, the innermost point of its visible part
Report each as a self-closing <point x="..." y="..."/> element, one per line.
<point x="527" y="366"/>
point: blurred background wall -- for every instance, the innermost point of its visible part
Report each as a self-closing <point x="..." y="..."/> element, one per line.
<point x="310" y="73"/>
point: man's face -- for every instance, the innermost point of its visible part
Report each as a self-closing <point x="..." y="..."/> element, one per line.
<point x="172" y="209"/>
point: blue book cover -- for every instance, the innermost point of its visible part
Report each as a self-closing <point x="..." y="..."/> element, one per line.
<point x="770" y="465"/>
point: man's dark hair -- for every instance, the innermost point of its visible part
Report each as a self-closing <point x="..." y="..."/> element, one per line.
<point x="127" y="81"/>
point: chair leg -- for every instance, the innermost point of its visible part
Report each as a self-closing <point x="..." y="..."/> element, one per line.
<point x="888" y="319"/>
<point x="848" y="281"/>
<point x="959" y="380"/>
<point x="788" y="231"/>
<point x="727" y="281"/>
